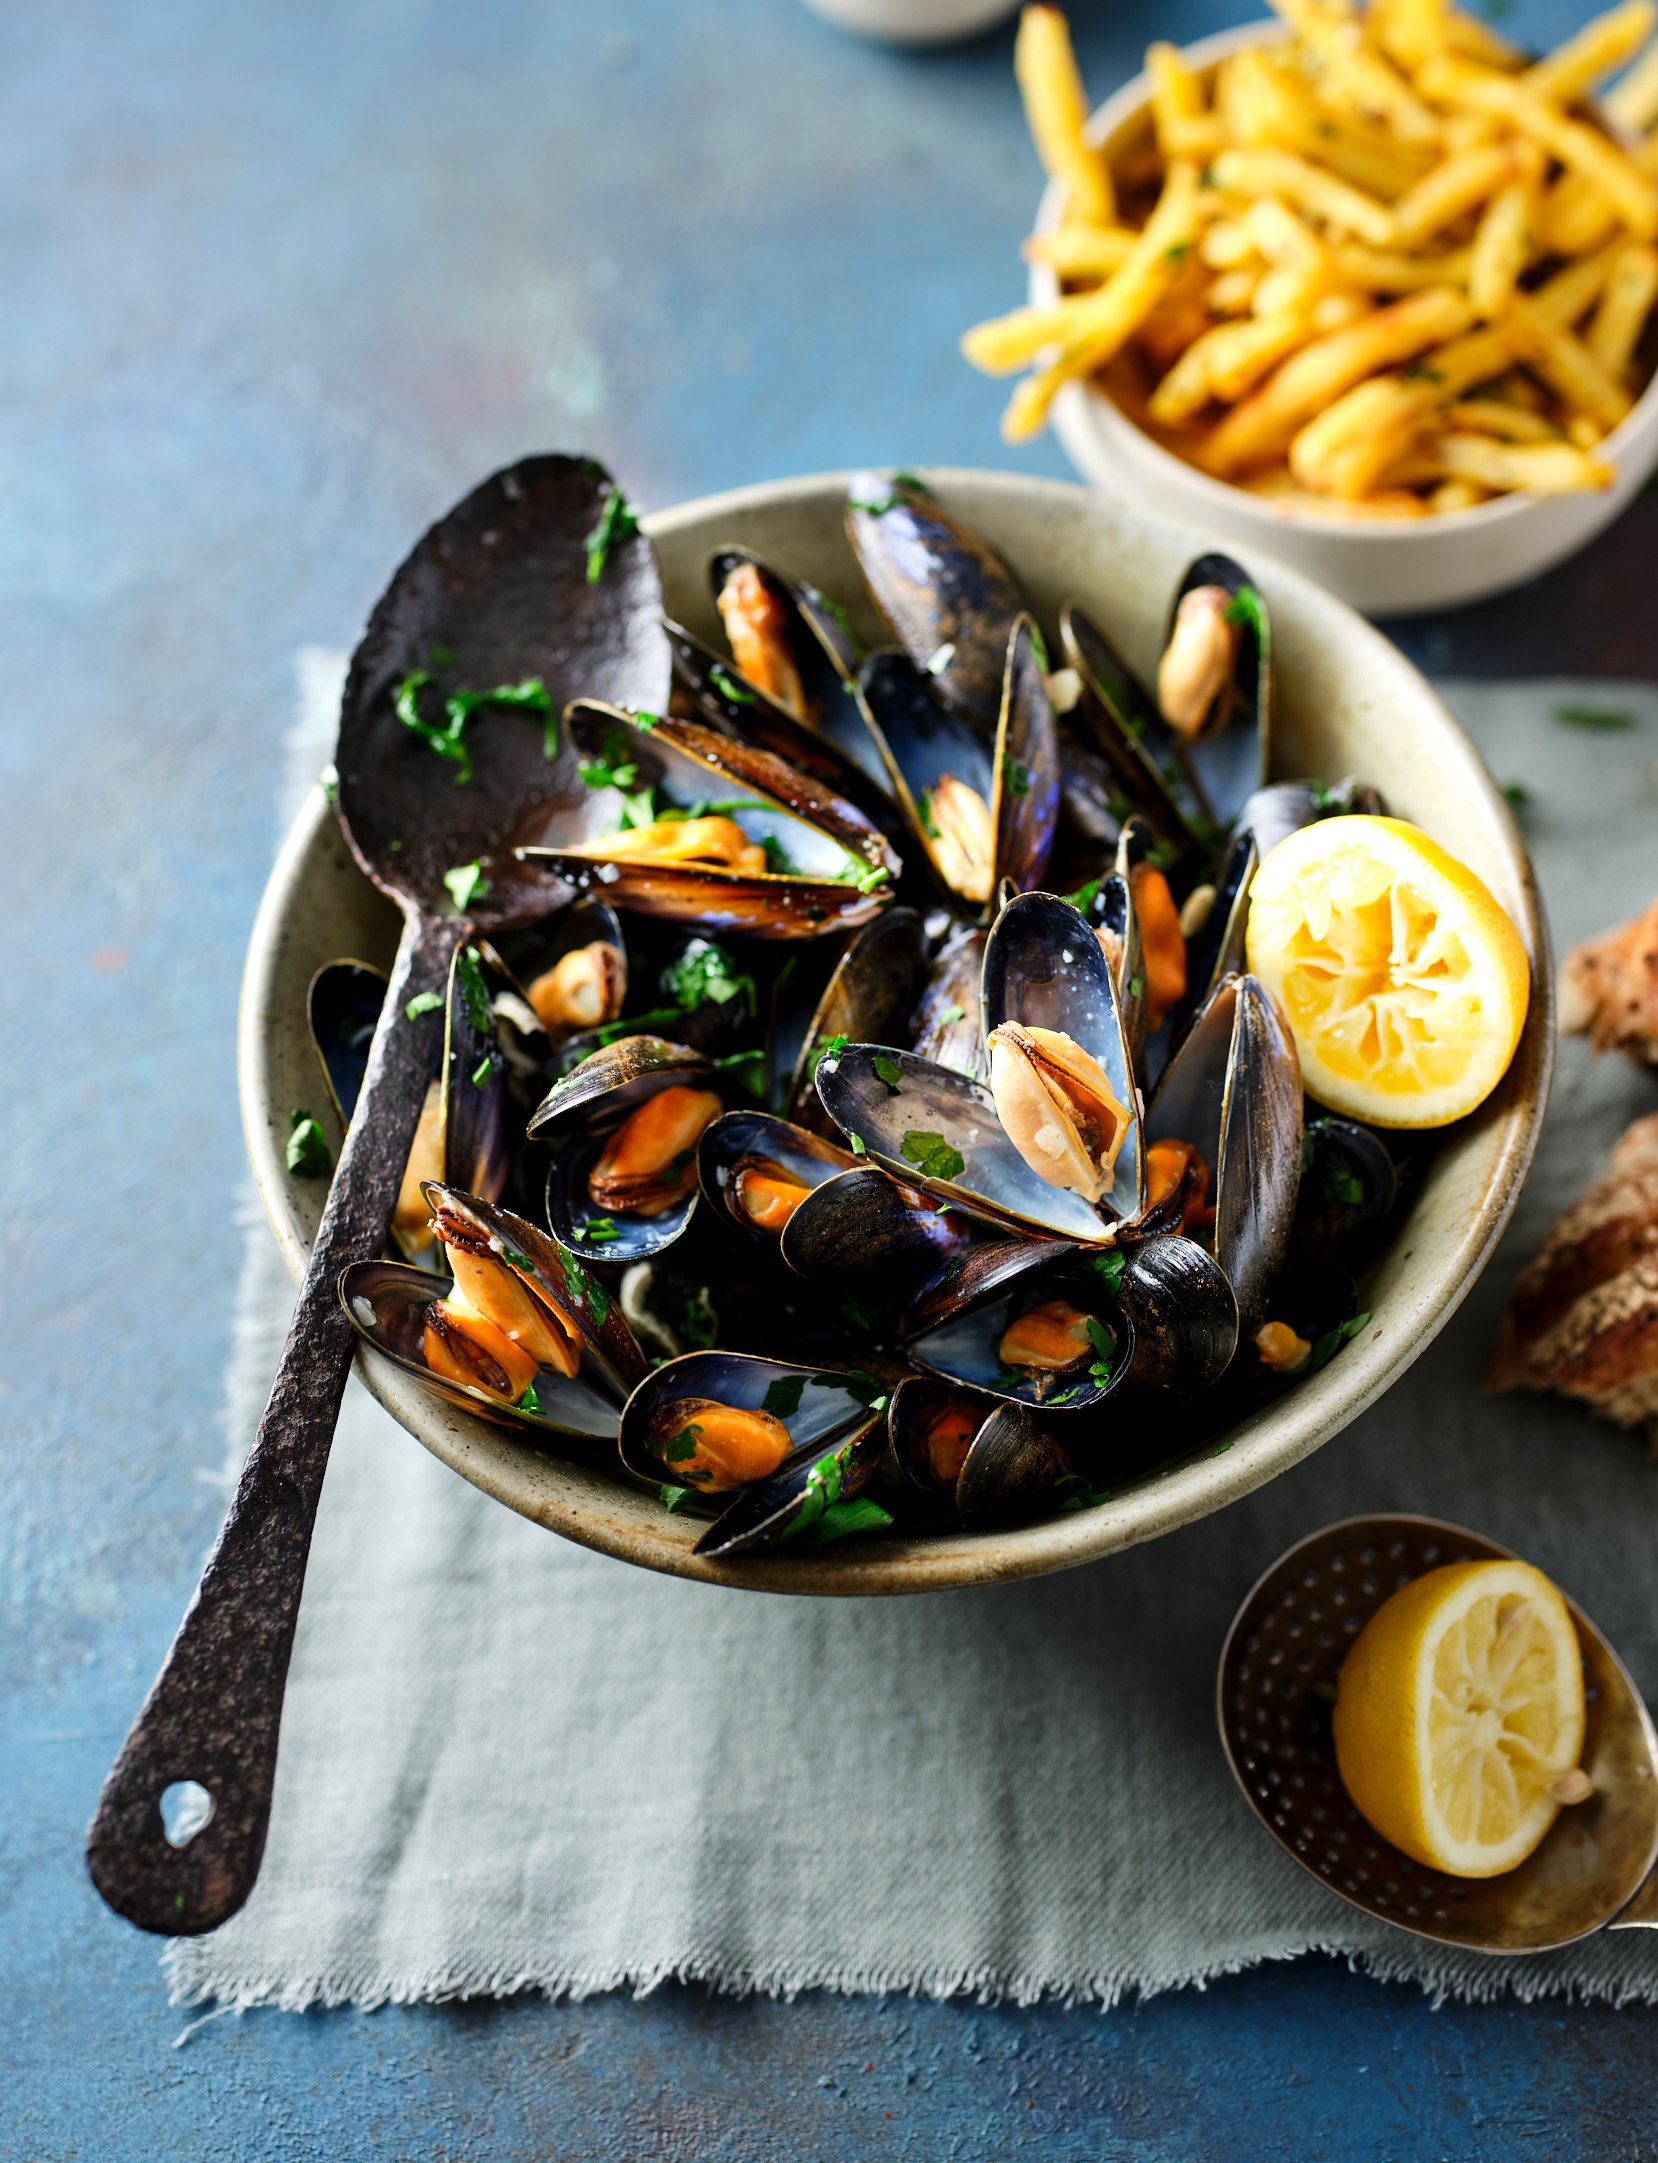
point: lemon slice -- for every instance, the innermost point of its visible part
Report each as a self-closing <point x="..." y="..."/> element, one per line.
<point x="1460" y="1712"/>
<point x="1403" y="981"/>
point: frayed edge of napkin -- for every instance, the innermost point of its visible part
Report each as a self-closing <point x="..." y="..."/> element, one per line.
<point x="1470" y="1978"/>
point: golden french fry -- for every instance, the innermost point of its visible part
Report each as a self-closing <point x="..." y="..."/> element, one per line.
<point x="1599" y="47"/>
<point x="1284" y="239"/>
<point x="1233" y="292"/>
<point x="1278" y="172"/>
<point x="1450" y="191"/>
<point x="1584" y="149"/>
<point x="1081" y="251"/>
<point x="1267" y="420"/>
<point x="1624" y="306"/>
<point x="1295" y="288"/>
<point x="1056" y="111"/>
<point x="1356" y="79"/>
<point x="1571" y="292"/>
<point x="1010" y="342"/>
<point x="1496" y="417"/>
<point x="1110" y="317"/>
<point x="1335" y="309"/>
<point x="1224" y="363"/>
<point x="1567" y="365"/>
<point x="1475" y="40"/>
<point x="1502" y="245"/>
<point x="1538" y="469"/>
<point x="1185" y="127"/>
<point x="1410" y="31"/>
<point x="1383" y="271"/>
<point x="1575" y="217"/>
<point x="1227" y="244"/>
<point x="1581" y="430"/>
<point x="1457" y="496"/>
<point x="1633" y="103"/>
<point x="1345" y="449"/>
<point x="1272" y="108"/>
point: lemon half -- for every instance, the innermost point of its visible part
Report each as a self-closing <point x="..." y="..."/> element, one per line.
<point x="1459" y="1708"/>
<point x="1403" y="980"/>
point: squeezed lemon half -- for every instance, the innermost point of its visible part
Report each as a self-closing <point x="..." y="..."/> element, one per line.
<point x="1460" y="1713"/>
<point x="1402" y="978"/>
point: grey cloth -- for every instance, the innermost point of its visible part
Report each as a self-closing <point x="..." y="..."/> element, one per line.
<point x="508" y="1764"/>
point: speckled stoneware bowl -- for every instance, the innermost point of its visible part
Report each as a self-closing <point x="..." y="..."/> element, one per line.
<point x="1349" y="704"/>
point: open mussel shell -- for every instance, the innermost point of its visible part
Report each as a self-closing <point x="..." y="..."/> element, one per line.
<point x="1045" y="968"/>
<point x="577" y="1118"/>
<point x="966" y="1348"/>
<point x="1183" y="1311"/>
<point x="790" y="643"/>
<point x="1282" y="808"/>
<point x="1215" y="948"/>
<point x="1231" y="756"/>
<point x="936" y="1129"/>
<point x="869" y="996"/>
<point x="1232" y="1091"/>
<point x="839" y="868"/>
<point x="1026" y="803"/>
<point x="556" y="979"/>
<point x="497" y="593"/>
<point x="477" y="1143"/>
<point x="948" y="1024"/>
<point x="838" y="753"/>
<point x="1121" y="719"/>
<point x="740" y="1141"/>
<point x="867" y="1229"/>
<point x="388" y="1302"/>
<point x="1349" y="1184"/>
<point x="1009" y="1471"/>
<point x="827" y="1414"/>
<point x="342" y="1007"/>
<point x="944" y="595"/>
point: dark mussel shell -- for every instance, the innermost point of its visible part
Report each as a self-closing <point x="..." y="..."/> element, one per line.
<point x="1315" y="1299"/>
<point x="577" y="1117"/>
<point x="819" y="644"/>
<point x="839" y="754"/>
<point x="1139" y="747"/>
<point x="1184" y="1313"/>
<point x="1349" y="1185"/>
<point x="519" y="963"/>
<point x="949" y="1026"/>
<point x="870" y="995"/>
<point x="1013" y="1466"/>
<point x="561" y="1279"/>
<point x="840" y="869"/>
<point x="342" y="1007"/>
<point x="827" y="1414"/>
<point x="498" y="592"/>
<point x="947" y="599"/>
<point x="920" y="741"/>
<point x="1215" y="945"/>
<point x="1044" y="968"/>
<point x="1282" y="808"/>
<point x="741" y="1137"/>
<point x="1233" y="1091"/>
<point x="936" y="1129"/>
<point x="1026" y="803"/>
<point x="963" y="1348"/>
<point x="1229" y="762"/>
<point x="477" y="1145"/>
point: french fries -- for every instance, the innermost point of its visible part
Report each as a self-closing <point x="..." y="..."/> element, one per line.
<point x="1383" y="267"/>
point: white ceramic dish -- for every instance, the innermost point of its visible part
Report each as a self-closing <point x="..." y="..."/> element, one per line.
<point x="1349" y="702"/>
<point x="913" y="22"/>
<point x="1386" y="568"/>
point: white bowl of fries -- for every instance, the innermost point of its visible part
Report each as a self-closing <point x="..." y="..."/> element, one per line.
<point x="1389" y="320"/>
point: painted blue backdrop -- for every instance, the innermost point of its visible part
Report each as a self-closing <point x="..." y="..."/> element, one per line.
<point x="280" y="281"/>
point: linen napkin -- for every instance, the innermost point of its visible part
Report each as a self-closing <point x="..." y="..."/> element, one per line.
<point x="508" y="1763"/>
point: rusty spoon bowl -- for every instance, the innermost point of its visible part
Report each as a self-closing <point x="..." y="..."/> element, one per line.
<point x="1594" y="1869"/>
<point x="501" y="587"/>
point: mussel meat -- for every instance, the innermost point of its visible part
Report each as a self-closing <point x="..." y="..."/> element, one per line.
<point x="1057" y="1107"/>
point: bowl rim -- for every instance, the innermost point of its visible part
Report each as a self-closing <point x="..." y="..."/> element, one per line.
<point x="1190" y="1488"/>
<point x="1100" y="412"/>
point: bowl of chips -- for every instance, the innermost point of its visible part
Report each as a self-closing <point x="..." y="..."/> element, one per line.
<point x="1370" y="292"/>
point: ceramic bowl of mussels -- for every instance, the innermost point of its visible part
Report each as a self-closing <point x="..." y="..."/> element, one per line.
<point x="857" y="1157"/>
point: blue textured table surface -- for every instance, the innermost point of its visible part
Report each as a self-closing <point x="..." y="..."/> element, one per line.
<point x="282" y="281"/>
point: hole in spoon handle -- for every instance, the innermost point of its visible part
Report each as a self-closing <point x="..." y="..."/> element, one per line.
<point x="213" y="1715"/>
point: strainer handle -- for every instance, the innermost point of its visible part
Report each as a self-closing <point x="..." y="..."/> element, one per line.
<point x="1642" y="1911"/>
<point x="214" y="1711"/>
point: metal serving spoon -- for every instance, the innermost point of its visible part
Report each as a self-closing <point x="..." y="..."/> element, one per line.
<point x="498" y="591"/>
<point x="1278" y="1669"/>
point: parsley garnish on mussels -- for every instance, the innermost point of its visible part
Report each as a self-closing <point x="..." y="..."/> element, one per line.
<point x="728" y="686"/>
<point x="888" y="1071"/>
<point x="447" y="737"/>
<point x="598" y="1231"/>
<point x="423" y="1002"/>
<point x="706" y="975"/>
<point x="307" y="1154"/>
<point x="1332" y="1341"/>
<point x="782" y="1398"/>
<point x="931" y="1154"/>
<point x="529" y="1402"/>
<point x="674" y="1498"/>
<point x="584" y="1289"/>
<point x="682" y="1445"/>
<point x="1601" y="719"/>
<point x="1247" y="607"/>
<point x="1015" y="776"/>
<point x="466" y="884"/>
<point x="469" y="976"/>
<point x="1109" y="1267"/>
<point x="618" y="520"/>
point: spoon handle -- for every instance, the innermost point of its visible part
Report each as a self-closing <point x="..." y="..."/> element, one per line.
<point x="214" y="1712"/>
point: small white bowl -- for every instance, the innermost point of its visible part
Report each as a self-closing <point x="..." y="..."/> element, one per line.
<point x="1385" y="567"/>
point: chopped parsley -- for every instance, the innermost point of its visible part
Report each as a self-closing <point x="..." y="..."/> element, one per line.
<point x="748" y="1068"/>
<point x="830" y="1047"/>
<point x="682" y="1445"/>
<point x="466" y="884"/>
<point x="855" y="1144"/>
<point x="888" y="1071"/>
<point x="469" y="977"/>
<point x="1599" y="718"/>
<point x="1039" y="647"/>
<point x="1105" y="1349"/>
<point x="728" y="686"/>
<point x="782" y="1398"/>
<point x="1332" y="1341"/>
<point x="529" y="1402"/>
<point x="1344" y="1187"/>
<point x="1247" y="607"/>
<point x="931" y="1154"/>
<point x="674" y="1498"/>
<point x="515" y="1260"/>
<point x="913" y="482"/>
<point x="1518" y="794"/>
<point x="1015" y="776"/>
<point x="586" y="1291"/>
<point x="447" y="737"/>
<point x="862" y="1514"/>
<point x="1075" y="1493"/>
<point x="598" y="1231"/>
<point x="857" y="1313"/>
<point x="443" y="737"/>
<point x="873" y="880"/>
<point x="952" y="1013"/>
<point x="329" y="783"/>
<point x="618" y="520"/>
<point x="307" y="1154"/>
<point x="705" y="975"/>
<point x="1109" y="1267"/>
<point x="696" y="1321"/>
<point x="924" y="812"/>
<point x="1137" y="986"/>
<point x="1420" y="372"/>
<point x="423" y="1002"/>
<point x="1178" y="253"/>
<point x="1324" y="797"/>
<point x="1162" y="856"/>
<point x="1083" y="899"/>
<point x="483" y="1070"/>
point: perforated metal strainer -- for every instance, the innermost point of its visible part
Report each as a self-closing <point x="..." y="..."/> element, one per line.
<point x="1277" y="1685"/>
